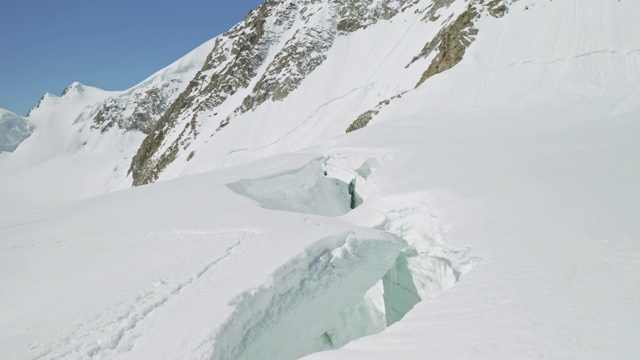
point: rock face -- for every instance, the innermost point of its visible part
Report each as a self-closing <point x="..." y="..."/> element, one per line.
<point x="234" y="61"/>
<point x="142" y="106"/>
<point x="13" y="130"/>
<point x="451" y="42"/>
<point x="301" y="54"/>
<point x="362" y="120"/>
<point x="355" y="15"/>
<point x="138" y="111"/>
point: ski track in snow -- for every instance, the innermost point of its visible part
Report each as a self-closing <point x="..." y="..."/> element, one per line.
<point x="305" y="121"/>
<point x="586" y="54"/>
<point x="404" y="35"/>
<point x="116" y="335"/>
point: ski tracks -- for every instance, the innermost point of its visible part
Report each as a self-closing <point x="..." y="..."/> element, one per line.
<point x="113" y="330"/>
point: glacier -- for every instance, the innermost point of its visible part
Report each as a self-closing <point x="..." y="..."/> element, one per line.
<point x="488" y="211"/>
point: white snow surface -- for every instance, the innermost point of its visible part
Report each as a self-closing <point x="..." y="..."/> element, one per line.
<point x="490" y="213"/>
<point x="13" y="130"/>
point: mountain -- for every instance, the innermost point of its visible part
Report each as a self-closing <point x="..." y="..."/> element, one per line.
<point x="13" y="130"/>
<point x="284" y="45"/>
<point x="83" y="140"/>
<point x="374" y="179"/>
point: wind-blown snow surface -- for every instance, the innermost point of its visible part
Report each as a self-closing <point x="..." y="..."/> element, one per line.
<point x="519" y="164"/>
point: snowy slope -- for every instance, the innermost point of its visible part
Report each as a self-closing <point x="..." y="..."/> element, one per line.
<point x="543" y="159"/>
<point x="13" y="130"/>
<point x="51" y="158"/>
<point x="486" y="211"/>
<point x="276" y="63"/>
<point x="84" y="139"/>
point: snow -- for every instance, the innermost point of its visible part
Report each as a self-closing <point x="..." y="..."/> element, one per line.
<point x="73" y="157"/>
<point x="496" y="215"/>
<point x="13" y="130"/>
<point x="304" y="190"/>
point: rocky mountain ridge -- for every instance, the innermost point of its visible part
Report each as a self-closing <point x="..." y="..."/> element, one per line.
<point x="266" y="58"/>
<point x="270" y="53"/>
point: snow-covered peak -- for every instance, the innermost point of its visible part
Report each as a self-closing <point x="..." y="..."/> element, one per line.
<point x="55" y="133"/>
<point x="44" y="100"/>
<point x="74" y="87"/>
<point x="75" y="95"/>
<point x="183" y="68"/>
<point x="141" y="106"/>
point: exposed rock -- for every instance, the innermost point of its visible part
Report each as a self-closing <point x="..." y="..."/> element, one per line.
<point x="139" y="111"/>
<point x="231" y="65"/>
<point x="241" y="52"/>
<point x="364" y="118"/>
<point x="249" y="43"/>
<point x="432" y="12"/>
<point x="263" y="59"/>
<point x="496" y="8"/>
<point x="144" y="168"/>
<point x="302" y="54"/>
<point x="357" y="14"/>
<point x="451" y="42"/>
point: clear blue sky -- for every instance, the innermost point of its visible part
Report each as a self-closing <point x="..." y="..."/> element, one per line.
<point x="45" y="45"/>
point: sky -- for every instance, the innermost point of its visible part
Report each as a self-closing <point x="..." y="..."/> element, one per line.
<point x="47" y="45"/>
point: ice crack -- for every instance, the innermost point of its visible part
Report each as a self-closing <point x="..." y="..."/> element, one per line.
<point x="346" y="286"/>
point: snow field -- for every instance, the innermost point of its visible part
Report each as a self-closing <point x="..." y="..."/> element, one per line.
<point x="526" y="150"/>
<point x="180" y="288"/>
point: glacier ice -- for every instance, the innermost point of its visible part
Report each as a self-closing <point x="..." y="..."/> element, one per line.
<point x="342" y="287"/>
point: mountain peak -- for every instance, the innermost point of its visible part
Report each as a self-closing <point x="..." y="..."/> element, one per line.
<point x="74" y="87"/>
